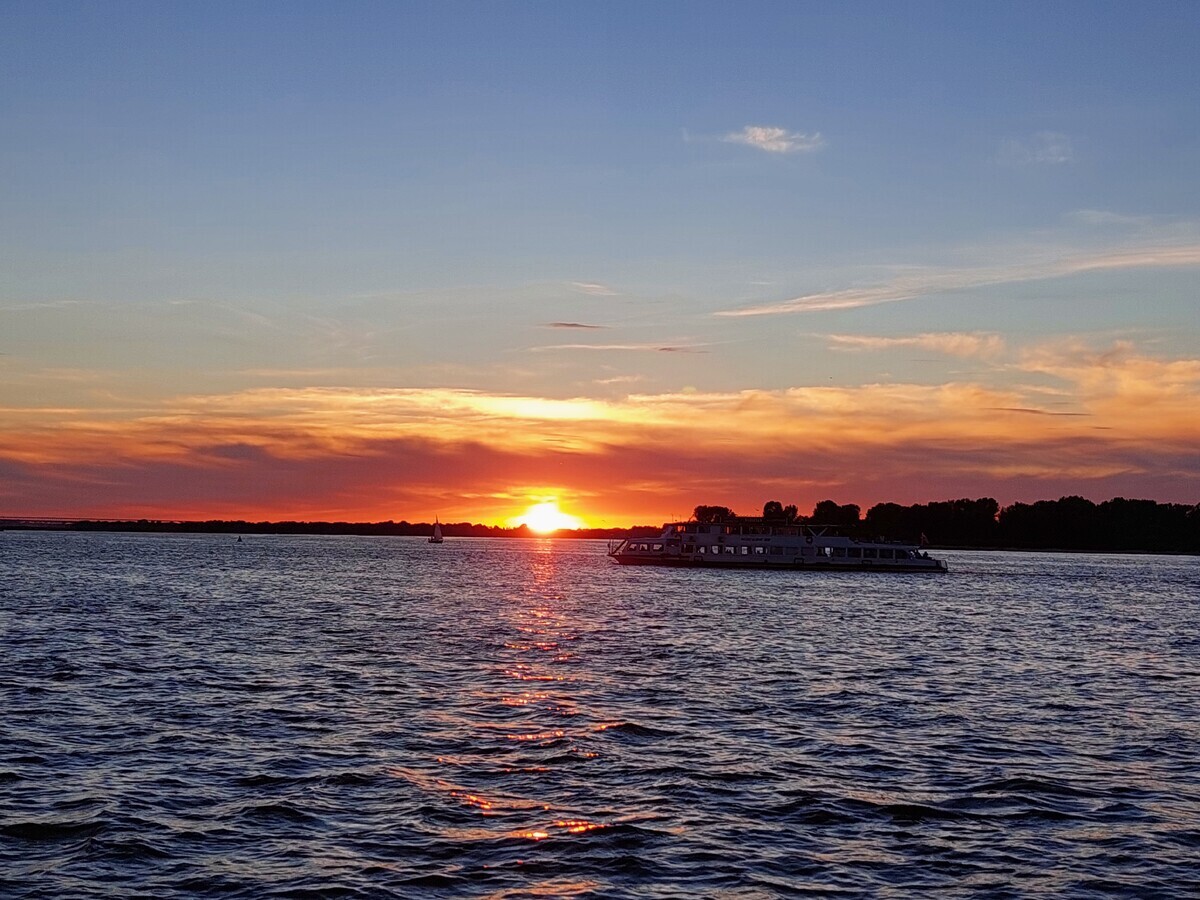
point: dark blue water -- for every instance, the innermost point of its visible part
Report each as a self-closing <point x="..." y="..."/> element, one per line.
<point x="186" y="716"/>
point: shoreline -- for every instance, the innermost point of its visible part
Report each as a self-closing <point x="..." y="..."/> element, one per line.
<point x="459" y="531"/>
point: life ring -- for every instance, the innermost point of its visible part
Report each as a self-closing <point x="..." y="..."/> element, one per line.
<point x="808" y="540"/>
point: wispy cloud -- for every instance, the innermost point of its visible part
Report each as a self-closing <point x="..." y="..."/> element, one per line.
<point x="1043" y="148"/>
<point x="954" y="343"/>
<point x="47" y="304"/>
<point x="570" y="325"/>
<point x="657" y="348"/>
<point x="1104" y="217"/>
<point x="594" y="288"/>
<point x="620" y="379"/>
<point x="1033" y="412"/>
<point x="773" y="139"/>
<point x="850" y="298"/>
<point x="912" y="282"/>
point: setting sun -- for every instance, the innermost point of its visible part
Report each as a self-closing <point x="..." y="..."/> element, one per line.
<point x="546" y="517"/>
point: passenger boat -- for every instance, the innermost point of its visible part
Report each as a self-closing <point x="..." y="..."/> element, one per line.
<point x="747" y="543"/>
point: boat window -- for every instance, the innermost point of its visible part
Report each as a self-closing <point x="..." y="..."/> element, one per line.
<point x="870" y="552"/>
<point x="702" y="549"/>
<point x="656" y="548"/>
<point x="760" y="551"/>
<point x="731" y="550"/>
<point x="689" y="548"/>
<point x="745" y="550"/>
<point x="839" y="552"/>
<point x="854" y="552"/>
<point x="885" y="554"/>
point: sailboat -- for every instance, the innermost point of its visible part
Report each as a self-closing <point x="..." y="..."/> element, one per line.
<point x="437" y="532"/>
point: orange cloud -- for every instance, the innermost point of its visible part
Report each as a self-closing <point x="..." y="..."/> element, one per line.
<point x="1028" y="265"/>
<point x="1111" y="418"/>
<point x="954" y="343"/>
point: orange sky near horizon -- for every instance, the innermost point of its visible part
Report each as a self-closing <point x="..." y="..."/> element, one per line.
<point x="1098" y="422"/>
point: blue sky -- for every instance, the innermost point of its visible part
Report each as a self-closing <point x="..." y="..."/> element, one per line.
<point x="207" y="199"/>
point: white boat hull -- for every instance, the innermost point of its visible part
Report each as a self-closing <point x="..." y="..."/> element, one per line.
<point x="796" y="565"/>
<point x="759" y="544"/>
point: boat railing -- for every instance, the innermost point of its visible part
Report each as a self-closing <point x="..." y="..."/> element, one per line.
<point x="614" y="547"/>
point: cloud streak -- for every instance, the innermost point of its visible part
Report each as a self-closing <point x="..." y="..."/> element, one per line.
<point x="772" y="139"/>
<point x="911" y="283"/>
<point x="641" y="348"/>
<point x="1044" y="148"/>
<point x="594" y="289"/>
<point x="966" y="344"/>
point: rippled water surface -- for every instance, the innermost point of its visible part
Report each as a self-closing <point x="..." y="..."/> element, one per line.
<point x="370" y="717"/>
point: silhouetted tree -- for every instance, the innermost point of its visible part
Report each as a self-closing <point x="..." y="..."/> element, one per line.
<point x="773" y="511"/>
<point x="964" y="523"/>
<point x="1075" y="523"/>
<point x="1068" y="523"/>
<point x="829" y="513"/>
<point x="713" y="514"/>
<point x="893" y="520"/>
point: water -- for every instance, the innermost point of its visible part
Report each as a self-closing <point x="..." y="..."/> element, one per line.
<point x="186" y="716"/>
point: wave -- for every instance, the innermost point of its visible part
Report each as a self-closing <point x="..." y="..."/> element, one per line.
<point x="632" y="729"/>
<point x="39" y="832"/>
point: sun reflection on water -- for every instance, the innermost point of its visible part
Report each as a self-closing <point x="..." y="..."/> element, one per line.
<point x="552" y="887"/>
<point x="530" y="722"/>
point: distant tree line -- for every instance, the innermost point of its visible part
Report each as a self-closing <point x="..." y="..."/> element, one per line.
<point x="389" y="528"/>
<point x="1069" y="523"/>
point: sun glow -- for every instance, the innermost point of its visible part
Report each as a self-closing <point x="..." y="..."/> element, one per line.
<point x="546" y="517"/>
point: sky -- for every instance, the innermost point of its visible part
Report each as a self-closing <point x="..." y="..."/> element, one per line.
<point x="376" y="261"/>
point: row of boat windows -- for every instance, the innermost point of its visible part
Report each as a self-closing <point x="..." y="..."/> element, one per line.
<point x="747" y="550"/>
<point x="696" y="528"/>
